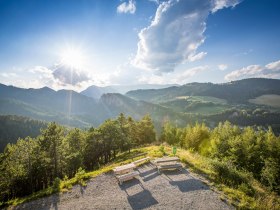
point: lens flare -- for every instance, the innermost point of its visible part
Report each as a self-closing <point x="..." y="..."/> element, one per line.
<point x="74" y="58"/>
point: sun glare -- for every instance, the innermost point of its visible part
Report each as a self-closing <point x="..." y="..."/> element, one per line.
<point x="73" y="58"/>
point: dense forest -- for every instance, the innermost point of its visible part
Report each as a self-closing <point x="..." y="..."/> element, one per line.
<point x="33" y="164"/>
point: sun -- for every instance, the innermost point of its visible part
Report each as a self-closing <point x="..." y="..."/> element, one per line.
<point x="73" y="57"/>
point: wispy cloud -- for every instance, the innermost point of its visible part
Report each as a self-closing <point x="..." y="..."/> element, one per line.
<point x="274" y="66"/>
<point x="175" y="33"/>
<point x="222" y="67"/>
<point x="127" y="7"/>
<point x="8" y="75"/>
<point x="155" y="1"/>
<point x="193" y="71"/>
<point x="181" y="77"/>
<point x="271" y="70"/>
<point x="220" y="4"/>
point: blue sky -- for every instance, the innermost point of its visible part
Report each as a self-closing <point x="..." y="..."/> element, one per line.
<point x="74" y="44"/>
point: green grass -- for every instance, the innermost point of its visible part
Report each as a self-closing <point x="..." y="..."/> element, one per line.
<point x="209" y="99"/>
<point x="197" y="104"/>
<point x="239" y="188"/>
<point x="208" y="110"/>
<point x="268" y="100"/>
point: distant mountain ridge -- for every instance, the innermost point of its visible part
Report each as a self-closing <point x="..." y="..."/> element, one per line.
<point x="71" y="108"/>
<point x="234" y="92"/>
<point x="96" y="91"/>
<point x="180" y="104"/>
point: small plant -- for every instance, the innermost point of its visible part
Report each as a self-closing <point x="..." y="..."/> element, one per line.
<point x="80" y="176"/>
<point x="161" y="149"/>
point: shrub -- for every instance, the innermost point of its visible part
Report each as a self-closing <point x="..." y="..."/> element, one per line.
<point x="227" y="174"/>
<point x="247" y="189"/>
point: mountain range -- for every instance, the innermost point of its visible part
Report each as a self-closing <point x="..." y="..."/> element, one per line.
<point x="203" y="102"/>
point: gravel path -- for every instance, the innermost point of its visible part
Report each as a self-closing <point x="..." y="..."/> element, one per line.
<point x="170" y="190"/>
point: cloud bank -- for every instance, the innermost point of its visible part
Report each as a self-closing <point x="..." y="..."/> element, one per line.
<point x="127" y="7"/>
<point x="175" y="33"/>
<point x="271" y="70"/>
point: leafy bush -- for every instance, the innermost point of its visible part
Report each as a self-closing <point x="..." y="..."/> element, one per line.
<point x="247" y="189"/>
<point x="271" y="175"/>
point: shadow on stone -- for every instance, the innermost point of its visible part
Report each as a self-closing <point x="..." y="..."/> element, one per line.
<point x="189" y="185"/>
<point x="82" y="189"/>
<point x="142" y="200"/>
<point x="130" y="183"/>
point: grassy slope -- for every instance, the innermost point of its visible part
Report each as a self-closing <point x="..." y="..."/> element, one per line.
<point x="261" y="199"/>
<point x="197" y="104"/>
<point x="268" y="100"/>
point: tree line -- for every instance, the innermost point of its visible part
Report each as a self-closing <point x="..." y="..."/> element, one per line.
<point x="256" y="151"/>
<point x="33" y="164"/>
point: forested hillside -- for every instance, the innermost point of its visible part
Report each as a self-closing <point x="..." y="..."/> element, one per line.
<point x="14" y="127"/>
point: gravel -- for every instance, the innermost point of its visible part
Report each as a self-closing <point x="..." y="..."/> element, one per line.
<point x="169" y="190"/>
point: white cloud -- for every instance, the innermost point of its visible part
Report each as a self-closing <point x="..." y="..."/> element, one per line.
<point x="175" y="33"/>
<point x="193" y="71"/>
<point x="181" y="77"/>
<point x="271" y="70"/>
<point x="40" y="69"/>
<point x="220" y="4"/>
<point x="197" y="56"/>
<point x="127" y="7"/>
<point x="222" y="67"/>
<point x="275" y="66"/>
